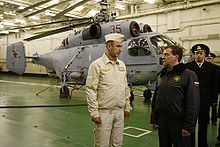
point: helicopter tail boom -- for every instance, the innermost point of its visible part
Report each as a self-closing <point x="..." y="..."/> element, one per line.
<point x="15" y="58"/>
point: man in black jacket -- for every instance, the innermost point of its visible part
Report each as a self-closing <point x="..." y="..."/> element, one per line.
<point x="175" y="104"/>
<point x="206" y="74"/>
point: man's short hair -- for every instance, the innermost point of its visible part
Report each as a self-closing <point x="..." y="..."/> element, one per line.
<point x="176" y="50"/>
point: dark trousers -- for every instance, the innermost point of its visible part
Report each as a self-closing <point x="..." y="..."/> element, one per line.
<point x="202" y="131"/>
<point x="170" y="132"/>
<point x="218" y="137"/>
<point x="202" y="134"/>
<point x="214" y="113"/>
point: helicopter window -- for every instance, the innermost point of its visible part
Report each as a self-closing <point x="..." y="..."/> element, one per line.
<point x="63" y="42"/>
<point x="161" y="41"/>
<point x="139" y="47"/>
<point x="67" y="41"/>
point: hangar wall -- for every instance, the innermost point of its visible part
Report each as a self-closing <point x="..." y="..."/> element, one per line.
<point x="188" y="24"/>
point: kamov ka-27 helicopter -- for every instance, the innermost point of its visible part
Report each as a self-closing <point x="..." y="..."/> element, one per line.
<point x="142" y="52"/>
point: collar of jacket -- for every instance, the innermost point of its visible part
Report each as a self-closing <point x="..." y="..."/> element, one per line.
<point x="179" y="68"/>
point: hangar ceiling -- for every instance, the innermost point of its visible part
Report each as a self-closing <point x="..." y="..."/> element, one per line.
<point x="23" y="13"/>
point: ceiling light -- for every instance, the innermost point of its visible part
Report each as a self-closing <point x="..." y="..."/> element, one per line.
<point x="55" y="1"/>
<point x="31" y="10"/>
<point x="2" y="26"/>
<point x="150" y="1"/>
<point x="48" y="13"/>
<point x="93" y="12"/>
<point x="4" y="32"/>
<point x="9" y="13"/>
<point x="21" y="21"/>
<point x="21" y="7"/>
<point x="14" y="31"/>
<point x="119" y="6"/>
<point x="78" y="8"/>
<point x="8" y="23"/>
<point x="34" y="17"/>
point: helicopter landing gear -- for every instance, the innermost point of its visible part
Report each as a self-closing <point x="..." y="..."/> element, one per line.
<point x="131" y="98"/>
<point x="64" y="92"/>
<point x="147" y="95"/>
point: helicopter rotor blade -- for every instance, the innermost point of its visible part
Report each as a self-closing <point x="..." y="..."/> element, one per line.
<point x="70" y="8"/>
<point x="50" y="23"/>
<point x="44" y="9"/>
<point x="33" y="6"/>
<point x="56" y="31"/>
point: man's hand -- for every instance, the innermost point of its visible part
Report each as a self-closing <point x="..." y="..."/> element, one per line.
<point x="127" y="114"/>
<point x="154" y="126"/>
<point x="185" y="133"/>
<point x="97" y="120"/>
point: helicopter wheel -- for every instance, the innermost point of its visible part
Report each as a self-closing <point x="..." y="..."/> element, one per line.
<point x="131" y="97"/>
<point x="147" y="94"/>
<point x="64" y="92"/>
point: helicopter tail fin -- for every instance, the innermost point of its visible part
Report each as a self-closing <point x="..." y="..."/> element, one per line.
<point x="15" y="58"/>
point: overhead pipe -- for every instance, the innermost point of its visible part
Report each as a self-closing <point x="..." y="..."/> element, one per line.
<point x="163" y="10"/>
<point x="166" y="1"/>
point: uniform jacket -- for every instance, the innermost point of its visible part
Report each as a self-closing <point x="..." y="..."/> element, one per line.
<point x="218" y="74"/>
<point x="207" y="83"/>
<point x="215" y="98"/>
<point x="176" y="97"/>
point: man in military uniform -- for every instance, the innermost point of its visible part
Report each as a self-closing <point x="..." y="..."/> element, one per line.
<point x="175" y="104"/>
<point x="210" y="58"/>
<point x="214" y="116"/>
<point x="205" y="72"/>
<point x="218" y="137"/>
<point x="108" y="94"/>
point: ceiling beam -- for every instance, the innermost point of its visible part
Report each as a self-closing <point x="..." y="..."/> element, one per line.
<point x="33" y="6"/>
<point x="70" y="8"/>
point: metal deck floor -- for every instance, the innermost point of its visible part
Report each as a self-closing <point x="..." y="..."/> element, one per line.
<point x="28" y="120"/>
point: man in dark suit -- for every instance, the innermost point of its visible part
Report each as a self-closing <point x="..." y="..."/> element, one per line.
<point x="218" y="137"/>
<point x="206" y="73"/>
<point x="210" y="58"/>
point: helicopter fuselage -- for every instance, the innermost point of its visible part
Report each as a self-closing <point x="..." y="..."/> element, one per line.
<point x="141" y="54"/>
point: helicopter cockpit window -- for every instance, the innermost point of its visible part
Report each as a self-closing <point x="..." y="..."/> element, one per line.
<point x="161" y="41"/>
<point x="139" y="47"/>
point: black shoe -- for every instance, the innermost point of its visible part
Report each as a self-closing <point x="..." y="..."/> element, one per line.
<point x="214" y="123"/>
<point x="217" y="143"/>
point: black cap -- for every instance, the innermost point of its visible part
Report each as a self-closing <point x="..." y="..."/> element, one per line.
<point x="211" y="55"/>
<point x="200" y="47"/>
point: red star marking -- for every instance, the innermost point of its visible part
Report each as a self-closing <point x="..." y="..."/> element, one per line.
<point x="14" y="54"/>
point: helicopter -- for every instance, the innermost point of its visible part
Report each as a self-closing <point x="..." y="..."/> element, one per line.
<point x="141" y="53"/>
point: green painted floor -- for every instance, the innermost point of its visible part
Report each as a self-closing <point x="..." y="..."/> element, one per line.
<point x="45" y="120"/>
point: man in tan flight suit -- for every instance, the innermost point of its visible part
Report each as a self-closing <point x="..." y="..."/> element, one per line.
<point x="108" y="94"/>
